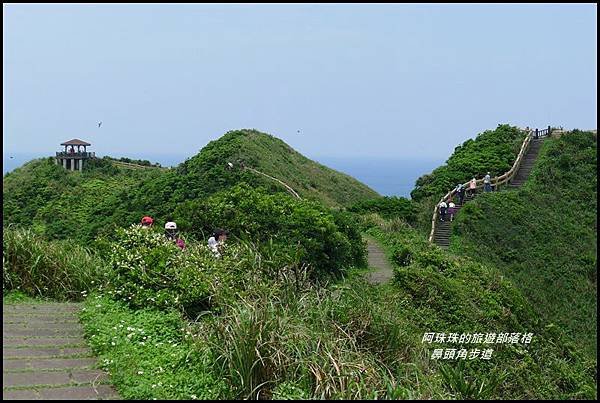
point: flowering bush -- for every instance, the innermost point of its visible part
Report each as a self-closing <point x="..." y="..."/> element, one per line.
<point x="149" y="270"/>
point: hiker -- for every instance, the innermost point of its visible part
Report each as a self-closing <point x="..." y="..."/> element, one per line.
<point x="487" y="182"/>
<point x="443" y="207"/>
<point x="217" y="241"/>
<point x="451" y="210"/>
<point x="472" y="186"/>
<point x="460" y="191"/>
<point x="172" y="234"/>
<point x="147" y="222"/>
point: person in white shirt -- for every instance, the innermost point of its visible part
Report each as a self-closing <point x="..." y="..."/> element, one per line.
<point x="443" y="207"/>
<point x="217" y="241"/>
<point x="487" y="182"/>
<point x="171" y="230"/>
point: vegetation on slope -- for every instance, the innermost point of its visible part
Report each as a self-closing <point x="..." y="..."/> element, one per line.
<point x="460" y="294"/>
<point x="270" y="337"/>
<point x="274" y="157"/>
<point x="208" y="172"/>
<point x="493" y="150"/>
<point x="61" y="204"/>
<point x="543" y="235"/>
<point x="388" y="207"/>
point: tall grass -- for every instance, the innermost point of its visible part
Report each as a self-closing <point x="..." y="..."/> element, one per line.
<point x="62" y="270"/>
<point x="284" y="346"/>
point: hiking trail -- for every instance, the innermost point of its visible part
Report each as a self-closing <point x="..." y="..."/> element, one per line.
<point x="378" y="261"/>
<point x="45" y="357"/>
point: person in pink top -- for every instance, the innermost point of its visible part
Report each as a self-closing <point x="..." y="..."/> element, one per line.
<point x="472" y="186"/>
<point x="172" y="234"/>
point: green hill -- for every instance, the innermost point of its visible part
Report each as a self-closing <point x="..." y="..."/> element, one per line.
<point x="543" y="236"/>
<point x="207" y="172"/>
<point x="491" y="151"/>
<point x="62" y="204"/>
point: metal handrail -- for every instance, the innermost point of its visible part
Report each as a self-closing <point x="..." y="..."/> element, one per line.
<point x="497" y="180"/>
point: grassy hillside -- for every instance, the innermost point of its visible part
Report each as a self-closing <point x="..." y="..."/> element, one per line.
<point x="62" y="204"/>
<point x="543" y="236"/>
<point x="442" y="292"/>
<point x="208" y="172"/>
<point x="493" y="151"/>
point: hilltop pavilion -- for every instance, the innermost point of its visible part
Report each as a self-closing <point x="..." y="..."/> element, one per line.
<point x="72" y="158"/>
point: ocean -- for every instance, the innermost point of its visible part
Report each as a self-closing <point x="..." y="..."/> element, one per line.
<point x="387" y="176"/>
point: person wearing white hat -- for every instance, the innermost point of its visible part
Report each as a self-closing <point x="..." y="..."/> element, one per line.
<point x="171" y="230"/>
<point x="172" y="234"/>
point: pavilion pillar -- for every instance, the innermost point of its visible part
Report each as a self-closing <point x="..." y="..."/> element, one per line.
<point x="80" y="165"/>
<point x="64" y="161"/>
<point x="72" y="164"/>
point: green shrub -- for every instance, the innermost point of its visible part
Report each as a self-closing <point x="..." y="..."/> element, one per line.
<point x="328" y="242"/>
<point x="402" y="256"/>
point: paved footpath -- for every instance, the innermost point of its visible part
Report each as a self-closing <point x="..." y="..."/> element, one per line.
<point x="44" y="355"/>
<point x="383" y="269"/>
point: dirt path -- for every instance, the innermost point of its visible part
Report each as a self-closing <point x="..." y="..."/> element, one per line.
<point x="44" y="355"/>
<point x="383" y="271"/>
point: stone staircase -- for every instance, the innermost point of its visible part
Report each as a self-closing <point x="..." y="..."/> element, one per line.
<point x="527" y="163"/>
<point x="441" y="235"/>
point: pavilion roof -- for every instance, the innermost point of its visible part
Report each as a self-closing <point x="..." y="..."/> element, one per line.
<point x="75" y="142"/>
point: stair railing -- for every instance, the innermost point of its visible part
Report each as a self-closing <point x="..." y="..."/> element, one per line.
<point x="498" y="180"/>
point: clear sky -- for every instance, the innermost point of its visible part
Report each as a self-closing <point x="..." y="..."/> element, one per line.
<point x="387" y="80"/>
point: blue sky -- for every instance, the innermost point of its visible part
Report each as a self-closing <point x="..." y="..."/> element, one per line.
<point x="358" y="80"/>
